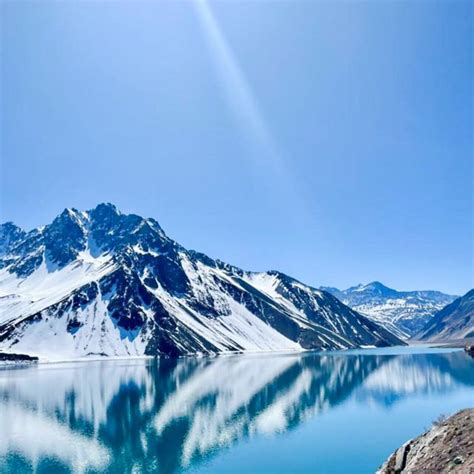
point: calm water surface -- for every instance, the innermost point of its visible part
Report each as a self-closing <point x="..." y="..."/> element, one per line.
<point x="312" y="413"/>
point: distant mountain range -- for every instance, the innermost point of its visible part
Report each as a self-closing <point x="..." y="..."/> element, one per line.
<point x="100" y="282"/>
<point x="404" y="312"/>
<point x="455" y="321"/>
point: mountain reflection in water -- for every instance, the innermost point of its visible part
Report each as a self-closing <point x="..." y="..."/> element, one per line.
<point x="166" y="415"/>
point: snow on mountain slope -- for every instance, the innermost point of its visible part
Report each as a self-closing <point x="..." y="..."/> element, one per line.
<point x="319" y="307"/>
<point x="455" y="321"/>
<point x="104" y="283"/>
<point x="25" y="296"/>
<point x="402" y="312"/>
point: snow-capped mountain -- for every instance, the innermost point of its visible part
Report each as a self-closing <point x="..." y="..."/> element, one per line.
<point x="403" y="312"/>
<point x="105" y="283"/>
<point x="454" y="321"/>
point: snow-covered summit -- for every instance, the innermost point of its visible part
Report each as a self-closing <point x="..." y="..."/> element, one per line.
<point x="404" y="312"/>
<point x="101" y="282"/>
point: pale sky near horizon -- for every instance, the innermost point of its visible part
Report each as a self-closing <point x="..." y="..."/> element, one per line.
<point x="330" y="140"/>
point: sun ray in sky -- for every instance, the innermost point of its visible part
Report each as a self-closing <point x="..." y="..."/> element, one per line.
<point x="238" y="92"/>
<point x="245" y="107"/>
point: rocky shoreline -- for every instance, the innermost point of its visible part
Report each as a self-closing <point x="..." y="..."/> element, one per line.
<point x="447" y="447"/>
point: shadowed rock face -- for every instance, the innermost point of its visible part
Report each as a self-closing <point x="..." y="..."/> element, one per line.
<point x="447" y="447"/>
<point x="16" y="358"/>
<point x="100" y="282"/>
<point x="455" y="321"/>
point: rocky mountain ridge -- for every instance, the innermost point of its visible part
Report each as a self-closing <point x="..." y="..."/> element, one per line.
<point x="455" y="321"/>
<point x="100" y="282"/>
<point x="403" y="312"/>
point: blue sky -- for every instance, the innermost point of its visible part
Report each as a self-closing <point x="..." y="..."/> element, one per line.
<point x="330" y="140"/>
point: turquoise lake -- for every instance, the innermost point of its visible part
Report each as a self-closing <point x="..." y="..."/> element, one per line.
<point x="275" y="413"/>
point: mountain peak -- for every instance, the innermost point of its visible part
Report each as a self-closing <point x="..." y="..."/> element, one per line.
<point x="408" y="311"/>
<point x="69" y="218"/>
<point x="65" y="237"/>
<point x="70" y="211"/>
<point x="108" y="205"/>
<point x="70" y="214"/>
<point x="8" y="229"/>
<point x="9" y="235"/>
<point x="8" y="225"/>
<point x="116" y="283"/>
<point x="376" y="285"/>
<point x="105" y="209"/>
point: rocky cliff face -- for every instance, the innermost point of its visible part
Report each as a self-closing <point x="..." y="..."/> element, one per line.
<point x="447" y="447"/>
<point x="104" y="283"/>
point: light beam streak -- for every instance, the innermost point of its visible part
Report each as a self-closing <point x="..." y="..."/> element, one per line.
<point x="236" y="88"/>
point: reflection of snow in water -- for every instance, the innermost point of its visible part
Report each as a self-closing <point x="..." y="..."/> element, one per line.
<point x="87" y="388"/>
<point x="404" y="377"/>
<point x="124" y="415"/>
<point x="230" y="384"/>
<point x="35" y="435"/>
<point x="274" y="419"/>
